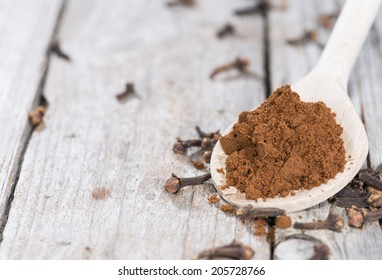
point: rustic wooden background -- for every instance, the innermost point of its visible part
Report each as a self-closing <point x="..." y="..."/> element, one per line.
<point x="92" y="141"/>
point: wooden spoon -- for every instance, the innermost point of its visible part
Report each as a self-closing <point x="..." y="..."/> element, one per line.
<point x="327" y="82"/>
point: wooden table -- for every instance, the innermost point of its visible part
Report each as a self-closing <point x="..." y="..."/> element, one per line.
<point x="91" y="141"/>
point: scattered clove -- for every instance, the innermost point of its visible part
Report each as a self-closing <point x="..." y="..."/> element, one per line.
<point x="240" y="63"/>
<point x="370" y="178"/>
<point x="308" y="36"/>
<point x="174" y="183"/>
<point x="356" y="217"/>
<point x="123" y="96"/>
<point x="36" y="116"/>
<point x="354" y="194"/>
<point x="180" y="147"/>
<point x="56" y="49"/>
<point x="226" y="30"/>
<point x="235" y="251"/>
<point x="260" y="8"/>
<point x="248" y="212"/>
<point x="188" y="3"/>
<point x="334" y="222"/>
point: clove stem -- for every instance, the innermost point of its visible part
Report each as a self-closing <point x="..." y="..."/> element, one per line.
<point x="174" y="183"/>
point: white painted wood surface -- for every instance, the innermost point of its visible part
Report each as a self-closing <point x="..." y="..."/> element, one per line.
<point x="293" y="62"/>
<point x="92" y="141"/>
<point x="26" y="28"/>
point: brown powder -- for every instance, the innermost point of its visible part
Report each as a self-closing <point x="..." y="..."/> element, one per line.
<point x="220" y="170"/>
<point x="283" y="145"/>
<point x="261" y="225"/>
<point x="100" y="193"/>
<point x="283" y="221"/>
<point x="228" y="208"/>
<point x="213" y="199"/>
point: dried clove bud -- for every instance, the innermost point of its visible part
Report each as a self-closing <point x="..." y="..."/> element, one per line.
<point x="356" y="217"/>
<point x="236" y="251"/>
<point x="334" y="222"/>
<point x="248" y="212"/>
<point x="308" y="36"/>
<point x="174" y="183"/>
<point x="56" y="49"/>
<point x="129" y="90"/>
<point x="36" y="116"/>
<point x="189" y="3"/>
<point x="240" y="63"/>
<point x="180" y="147"/>
<point x="198" y="165"/>
<point x="226" y="30"/>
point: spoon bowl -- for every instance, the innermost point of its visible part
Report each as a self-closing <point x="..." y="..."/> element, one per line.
<point x="327" y="82"/>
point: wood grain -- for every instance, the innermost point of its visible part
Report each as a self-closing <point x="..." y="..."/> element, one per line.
<point x="26" y="28"/>
<point x="92" y="141"/>
<point x="292" y="63"/>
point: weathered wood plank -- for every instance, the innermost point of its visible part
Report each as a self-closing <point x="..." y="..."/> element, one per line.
<point x="92" y="141"/>
<point x="26" y="28"/>
<point x="290" y="63"/>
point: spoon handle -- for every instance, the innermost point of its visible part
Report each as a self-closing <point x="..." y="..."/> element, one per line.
<point x="347" y="38"/>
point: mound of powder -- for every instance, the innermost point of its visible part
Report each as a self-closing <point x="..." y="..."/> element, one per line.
<point x="283" y="146"/>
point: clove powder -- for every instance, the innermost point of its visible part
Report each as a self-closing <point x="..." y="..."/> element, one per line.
<point x="283" y="146"/>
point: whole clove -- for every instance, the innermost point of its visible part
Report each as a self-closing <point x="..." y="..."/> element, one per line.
<point x="249" y="212"/>
<point x="226" y="30"/>
<point x="181" y="147"/>
<point x="334" y="222"/>
<point x="188" y="3"/>
<point x="129" y="91"/>
<point x="235" y="251"/>
<point x="308" y="36"/>
<point x="56" y="49"/>
<point x="174" y="183"/>
<point x="240" y="63"/>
